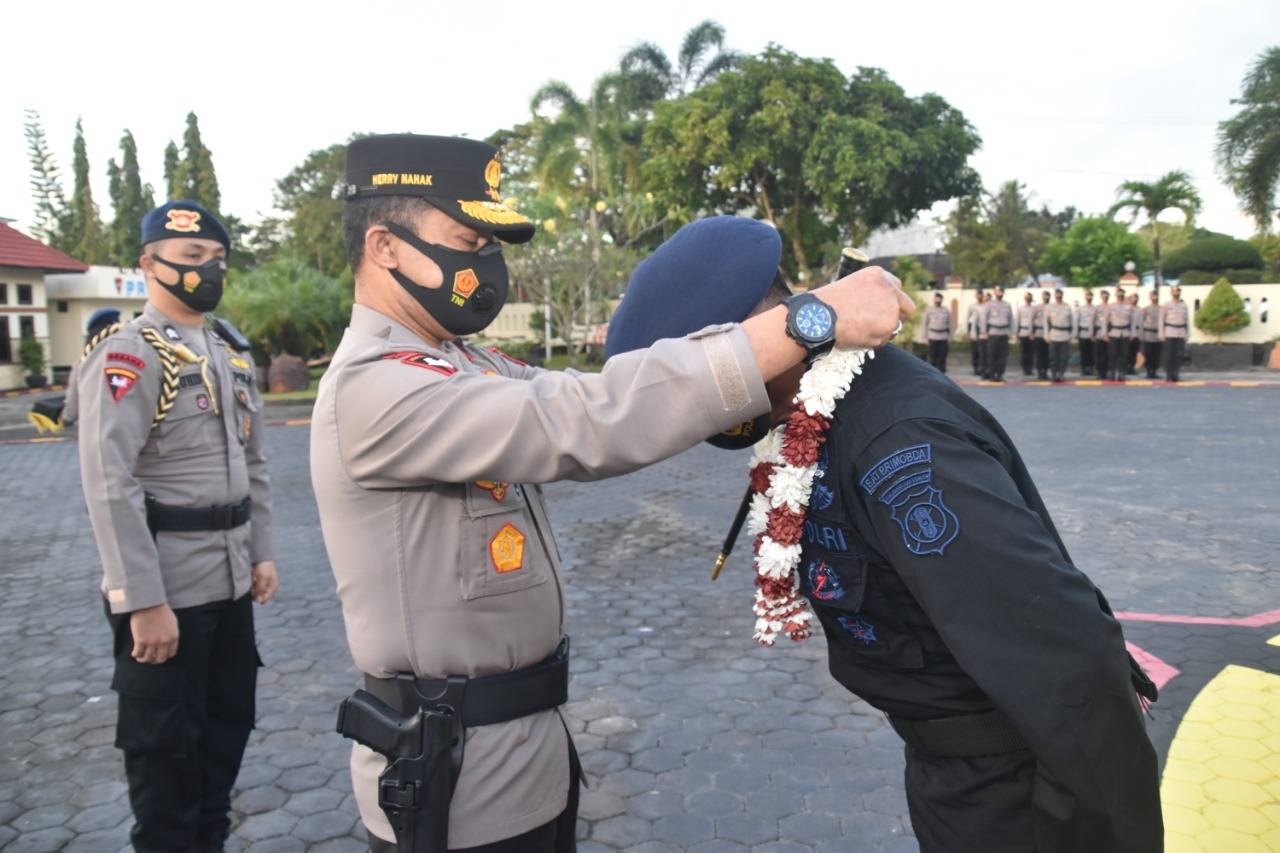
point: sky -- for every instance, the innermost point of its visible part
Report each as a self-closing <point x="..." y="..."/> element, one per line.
<point x="1069" y="98"/>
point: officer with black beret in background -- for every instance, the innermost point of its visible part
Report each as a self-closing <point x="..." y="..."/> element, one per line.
<point x="175" y="478"/>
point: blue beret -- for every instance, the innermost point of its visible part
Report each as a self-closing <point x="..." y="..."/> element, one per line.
<point x="102" y="318"/>
<point x="183" y="218"/>
<point x="711" y="271"/>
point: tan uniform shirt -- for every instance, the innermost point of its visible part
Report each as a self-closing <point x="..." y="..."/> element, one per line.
<point x="1061" y="322"/>
<point x="208" y="450"/>
<point x="1121" y="321"/>
<point x="1086" y="318"/>
<point x="1150" y="320"/>
<point x="1175" y="320"/>
<point x="445" y="562"/>
<point x="997" y="319"/>
<point x="971" y="323"/>
<point x="1026" y="320"/>
<point x="937" y="323"/>
<point x="1038" y="321"/>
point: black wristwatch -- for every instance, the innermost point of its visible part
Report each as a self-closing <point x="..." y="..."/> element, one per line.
<point x="811" y="323"/>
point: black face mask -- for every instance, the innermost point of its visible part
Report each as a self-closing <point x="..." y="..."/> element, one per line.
<point x="199" y="287"/>
<point x="475" y="284"/>
<point x="743" y="435"/>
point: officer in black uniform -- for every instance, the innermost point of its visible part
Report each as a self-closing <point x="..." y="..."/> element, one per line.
<point x="950" y="602"/>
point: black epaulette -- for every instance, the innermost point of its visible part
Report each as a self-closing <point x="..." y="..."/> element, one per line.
<point x="229" y="334"/>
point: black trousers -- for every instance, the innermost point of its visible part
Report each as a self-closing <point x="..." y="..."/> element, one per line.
<point x="558" y="835"/>
<point x="938" y="354"/>
<point x="183" y="724"/>
<point x="1027" y="355"/>
<point x="979" y="350"/>
<point x="1173" y="352"/>
<point x="1042" y="357"/>
<point x="1086" y="356"/>
<point x="1102" y="360"/>
<point x="1117" y="358"/>
<point x="1135" y="347"/>
<point x="1058" y="354"/>
<point x="1151" y="352"/>
<point x="997" y="356"/>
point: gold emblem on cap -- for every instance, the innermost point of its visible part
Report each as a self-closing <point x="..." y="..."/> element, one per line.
<point x="493" y="177"/>
<point x="186" y="221"/>
<point x="491" y="212"/>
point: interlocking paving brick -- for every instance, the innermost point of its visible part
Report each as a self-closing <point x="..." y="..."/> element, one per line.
<point x="679" y="717"/>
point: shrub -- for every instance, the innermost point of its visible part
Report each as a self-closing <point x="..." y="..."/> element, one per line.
<point x="31" y="354"/>
<point x="1213" y="253"/>
<point x="1233" y="276"/>
<point x="1222" y="312"/>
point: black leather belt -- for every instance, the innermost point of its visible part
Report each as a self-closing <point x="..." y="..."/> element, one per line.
<point x="1060" y="328"/>
<point x="182" y="519"/>
<point x="1176" y="325"/>
<point x="1002" y="326"/>
<point x="989" y="733"/>
<point x="482" y="701"/>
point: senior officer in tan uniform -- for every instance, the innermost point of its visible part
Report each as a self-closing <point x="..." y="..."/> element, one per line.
<point x="175" y="479"/>
<point x="424" y="455"/>
<point x="1060" y="326"/>
<point x="1152" y="346"/>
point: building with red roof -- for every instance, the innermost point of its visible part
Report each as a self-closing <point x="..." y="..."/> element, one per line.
<point x="24" y="310"/>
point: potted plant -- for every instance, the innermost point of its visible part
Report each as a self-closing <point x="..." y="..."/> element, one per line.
<point x="31" y="354"/>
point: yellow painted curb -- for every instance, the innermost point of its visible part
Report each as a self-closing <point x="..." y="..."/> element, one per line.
<point x="1220" y="782"/>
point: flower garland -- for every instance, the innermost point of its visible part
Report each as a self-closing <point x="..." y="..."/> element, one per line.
<point x="782" y="472"/>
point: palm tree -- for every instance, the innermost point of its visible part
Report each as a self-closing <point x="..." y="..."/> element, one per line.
<point x="580" y="150"/>
<point x="651" y="76"/>
<point x="1249" y="141"/>
<point x="1172" y="191"/>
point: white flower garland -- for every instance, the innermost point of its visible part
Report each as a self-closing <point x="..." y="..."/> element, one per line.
<point x="779" y="606"/>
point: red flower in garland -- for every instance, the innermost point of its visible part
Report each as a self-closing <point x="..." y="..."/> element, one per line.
<point x="760" y="477"/>
<point x="785" y="527"/>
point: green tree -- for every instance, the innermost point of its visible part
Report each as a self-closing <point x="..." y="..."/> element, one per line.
<point x="1249" y="141"/>
<point x="1172" y="191"/>
<point x="310" y="198"/>
<point x="286" y="306"/>
<point x="46" y="184"/>
<point x="1222" y="311"/>
<point x="1093" y="252"/>
<point x="1214" y="253"/>
<point x="826" y="158"/>
<point x="130" y="200"/>
<point x="85" y="238"/>
<point x="194" y="177"/>
<point x="1268" y="246"/>
<point x="650" y="74"/>
<point x="916" y="281"/>
<point x="997" y="238"/>
<point x="172" y="160"/>
<point x="580" y="150"/>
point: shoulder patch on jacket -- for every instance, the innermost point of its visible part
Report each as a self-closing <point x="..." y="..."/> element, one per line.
<point x="423" y="360"/>
<point x="903" y="482"/>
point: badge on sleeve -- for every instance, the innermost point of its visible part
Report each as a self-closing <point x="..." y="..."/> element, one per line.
<point x="903" y="482"/>
<point x="421" y="359"/>
<point x="119" y="381"/>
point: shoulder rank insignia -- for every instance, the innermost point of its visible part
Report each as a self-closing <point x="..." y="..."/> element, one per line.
<point x="423" y="360"/>
<point x="119" y="381"/>
<point x="903" y="482"/>
<point x="509" y="358"/>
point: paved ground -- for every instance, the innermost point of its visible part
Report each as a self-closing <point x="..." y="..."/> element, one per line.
<point x="693" y="738"/>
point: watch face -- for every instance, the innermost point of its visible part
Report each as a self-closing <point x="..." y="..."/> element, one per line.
<point x="813" y="320"/>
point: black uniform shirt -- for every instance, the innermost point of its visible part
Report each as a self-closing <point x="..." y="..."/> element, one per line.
<point x="944" y="589"/>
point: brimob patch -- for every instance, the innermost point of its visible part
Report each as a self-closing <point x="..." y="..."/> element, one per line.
<point x="886" y="468"/>
<point x="824" y="583"/>
<point x="423" y="360"/>
<point x="858" y="628"/>
<point x="128" y="358"/>
<point x="119" y="381"/>
<point x="928" y="524"/>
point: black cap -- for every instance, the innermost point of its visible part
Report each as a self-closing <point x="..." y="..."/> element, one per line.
<point x="459" y="176"/>
<point x="183" y="218"/>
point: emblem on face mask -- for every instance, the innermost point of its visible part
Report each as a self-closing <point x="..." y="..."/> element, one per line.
<point x="464" y="284"/>
<point x="493" y="177"/>
<point x="184" y="221"/>
<point x="190" y="281"/>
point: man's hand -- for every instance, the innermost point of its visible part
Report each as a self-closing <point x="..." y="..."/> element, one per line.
<point x="265" y="581"/>
<point x="869" y="305"/>
<point x="155" y="634"/>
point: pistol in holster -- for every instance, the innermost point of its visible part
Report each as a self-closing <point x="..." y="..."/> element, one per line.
<point x="424" y="752"/>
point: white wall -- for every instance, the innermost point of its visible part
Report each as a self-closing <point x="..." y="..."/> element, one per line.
<point x="11" y="373"/>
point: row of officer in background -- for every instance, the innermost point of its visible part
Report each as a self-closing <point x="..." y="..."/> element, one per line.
<point x="1110" y="334"/>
